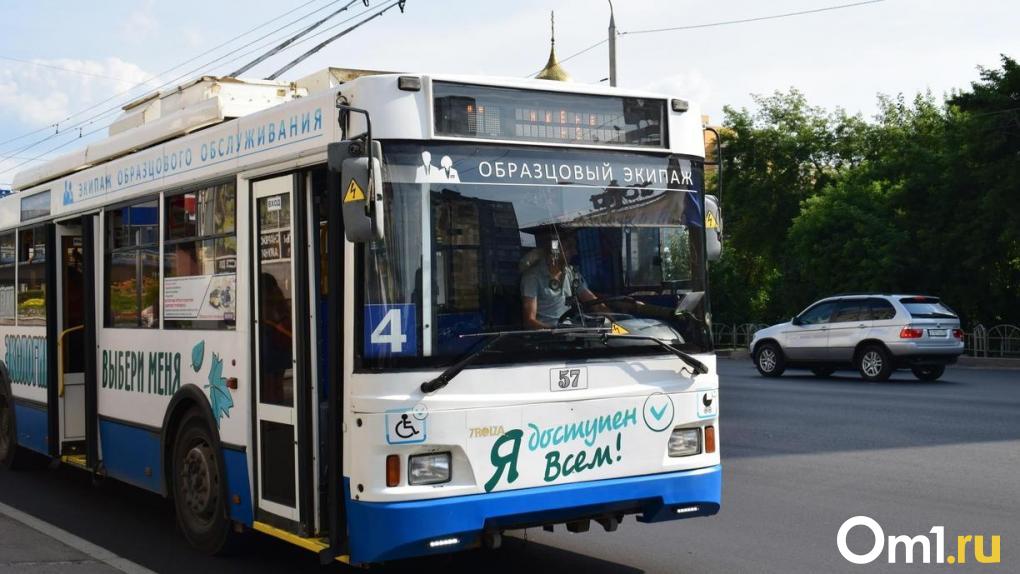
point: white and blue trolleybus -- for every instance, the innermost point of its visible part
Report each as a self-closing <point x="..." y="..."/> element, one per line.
<point x="376" y="315"/>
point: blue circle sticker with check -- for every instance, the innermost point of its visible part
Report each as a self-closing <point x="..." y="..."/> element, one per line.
<point x="658" y="412"/>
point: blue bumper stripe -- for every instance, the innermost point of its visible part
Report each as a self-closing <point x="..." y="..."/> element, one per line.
<point x="388" y="531"/>
<point x="32" y="427"/>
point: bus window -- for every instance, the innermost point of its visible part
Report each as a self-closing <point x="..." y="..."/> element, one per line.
<point x="7" y="298"/>
<point x="200" y="259"/>
<point x="132" y="266"/>
<point x="32" y="276"/>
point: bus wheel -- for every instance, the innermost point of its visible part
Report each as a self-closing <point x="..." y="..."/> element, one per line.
<point x="198" y="486"/>
<point x="9" y="455"/>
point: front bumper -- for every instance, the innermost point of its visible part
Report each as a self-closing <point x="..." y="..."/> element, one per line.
<point x="388" y="531"/>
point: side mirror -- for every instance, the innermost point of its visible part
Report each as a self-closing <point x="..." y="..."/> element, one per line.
<point x="796" y="321"/>
<point x="713" y="228"/>
<point x="361" y="191"/>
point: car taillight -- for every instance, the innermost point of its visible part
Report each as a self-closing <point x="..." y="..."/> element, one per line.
<point x="958" y="334"/>
<point x="911" y="333"/>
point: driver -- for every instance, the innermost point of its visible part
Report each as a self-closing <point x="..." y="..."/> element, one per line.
<point x="550" y="283"/>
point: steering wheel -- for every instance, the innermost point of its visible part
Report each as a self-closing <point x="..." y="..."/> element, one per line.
<point x="585" y="305"/>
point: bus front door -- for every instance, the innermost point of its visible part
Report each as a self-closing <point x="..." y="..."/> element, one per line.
<point x="282" y="363"/>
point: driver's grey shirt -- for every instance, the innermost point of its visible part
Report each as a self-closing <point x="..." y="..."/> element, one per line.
<point x="551" y="303"/>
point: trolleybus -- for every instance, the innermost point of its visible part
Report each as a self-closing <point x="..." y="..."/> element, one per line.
<point x="376" y="315"/>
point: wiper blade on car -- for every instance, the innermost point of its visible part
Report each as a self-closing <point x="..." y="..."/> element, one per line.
<point x="699" y="367"/>
<point x="453" y="370"/>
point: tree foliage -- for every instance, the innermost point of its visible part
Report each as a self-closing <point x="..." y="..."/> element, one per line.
<point x="923" y="198"/>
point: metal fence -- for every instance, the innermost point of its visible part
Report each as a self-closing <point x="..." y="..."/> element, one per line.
<point x="1000" y="341"/>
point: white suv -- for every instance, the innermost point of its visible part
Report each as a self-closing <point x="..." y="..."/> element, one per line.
<point x="876" y="334"/>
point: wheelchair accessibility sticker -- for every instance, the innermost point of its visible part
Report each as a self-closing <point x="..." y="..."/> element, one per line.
<point x="406" y="426"/>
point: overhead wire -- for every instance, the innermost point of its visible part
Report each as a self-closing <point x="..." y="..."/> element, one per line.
<point x="714" y="24"/>
<point x="168" y="70"/>
<point x="113" y="109"/>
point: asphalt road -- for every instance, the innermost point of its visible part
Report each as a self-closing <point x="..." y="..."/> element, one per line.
<point x="800" y="456"/>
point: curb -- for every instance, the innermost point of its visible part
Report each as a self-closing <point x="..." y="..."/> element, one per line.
<point x="81" y="545"/>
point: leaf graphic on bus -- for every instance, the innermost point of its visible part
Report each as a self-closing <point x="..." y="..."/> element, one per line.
<point x="198" y="356"/>
<point x="219" y="394"/>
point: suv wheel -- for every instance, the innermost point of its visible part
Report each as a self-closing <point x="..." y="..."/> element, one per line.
<point x="768" y="358"/>
<point x="874" y="363"/>
<point x="928" y="372"/>
<point x="823" y="371"/>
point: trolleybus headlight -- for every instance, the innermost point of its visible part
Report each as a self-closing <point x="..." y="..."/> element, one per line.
<point x="432" y="468"/>
<point x="685" y="442"/>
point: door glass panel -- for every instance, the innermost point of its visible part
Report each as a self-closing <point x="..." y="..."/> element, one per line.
<point x="848" y="311"/>
<point x="276" y="292"/>
<point x="818" y="314"/>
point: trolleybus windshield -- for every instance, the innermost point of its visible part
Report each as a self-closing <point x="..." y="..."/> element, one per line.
<point x="493" y="238"/>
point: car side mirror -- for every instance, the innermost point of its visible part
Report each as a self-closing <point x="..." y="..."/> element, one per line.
<point x="796" y="321"/>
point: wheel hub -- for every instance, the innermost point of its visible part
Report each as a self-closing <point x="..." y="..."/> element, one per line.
<point x="197" y="480"/>
<point x="767" y="360"/>
<point x="871" y="363"/>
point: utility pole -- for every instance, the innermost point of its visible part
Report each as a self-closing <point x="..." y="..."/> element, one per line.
<point x="612" y="46"/>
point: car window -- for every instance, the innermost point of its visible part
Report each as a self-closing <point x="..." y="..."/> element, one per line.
<point x="851" y="310"/>
<point x="927" y="308"/>
<point x="879" y="310"/>
<point x="818" y="314"/>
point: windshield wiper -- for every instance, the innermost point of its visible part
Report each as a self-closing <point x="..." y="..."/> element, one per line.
<point x="453" y="370"/>
<point x="698" y="367"/>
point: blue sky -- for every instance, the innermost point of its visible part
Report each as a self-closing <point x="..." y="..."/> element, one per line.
<point x="837" y="58"/>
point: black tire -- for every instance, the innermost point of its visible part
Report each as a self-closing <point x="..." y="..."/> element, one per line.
<point x="929" y="372"/>
<point x="769" y="360"/>
<point x="11" y="455"/>
<point x="198" y="487"/>
<point x="823" y="371"/>
<point x="874" y="363"/>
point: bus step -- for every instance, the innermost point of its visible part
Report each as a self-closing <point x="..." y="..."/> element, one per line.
<point x="77" y="460"/>
<point x="72" y="447"/>
<point x="316" y="545"/>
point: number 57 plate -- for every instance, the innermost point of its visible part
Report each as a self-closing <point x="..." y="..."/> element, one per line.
<point x="568" y="379"/>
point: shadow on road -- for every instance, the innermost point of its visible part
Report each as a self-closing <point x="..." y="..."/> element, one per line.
<point x="139" y="526"/>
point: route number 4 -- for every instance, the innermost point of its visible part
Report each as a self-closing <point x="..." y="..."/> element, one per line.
<point x="388" y="332"/>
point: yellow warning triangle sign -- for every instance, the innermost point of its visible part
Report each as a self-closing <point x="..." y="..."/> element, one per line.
<point x="710" y="221"/>
<point x="618" y="330"/>
<point x="354" y="192"/>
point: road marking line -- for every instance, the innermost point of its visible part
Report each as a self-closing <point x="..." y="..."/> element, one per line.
<point x="80" y="544"/>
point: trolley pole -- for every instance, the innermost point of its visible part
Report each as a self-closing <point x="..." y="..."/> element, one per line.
<point x="612" y="46"/>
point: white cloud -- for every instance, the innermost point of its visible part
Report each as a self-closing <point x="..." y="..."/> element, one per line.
<point x="38" y="95"/>
<point x="140" y="25"/>
<point x="32" y="97"/>
<point x="192" y="37"/>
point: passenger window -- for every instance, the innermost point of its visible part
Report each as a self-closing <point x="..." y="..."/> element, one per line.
<point x="200" y="259"/>
<point x="7" y="291"/>
<point x="818" y="314"/>
<point x="880" y="310"/>
<point x="849" y="311"/>
<point x="132" y="266"/>
<point x="32" y="276"/>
